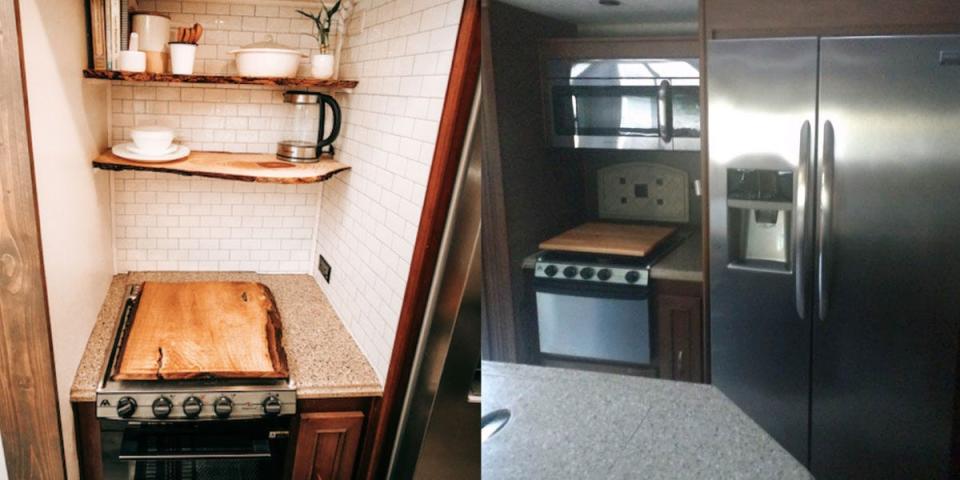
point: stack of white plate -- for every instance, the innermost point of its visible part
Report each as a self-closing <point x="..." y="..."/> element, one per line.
<point x="151" y="144"/>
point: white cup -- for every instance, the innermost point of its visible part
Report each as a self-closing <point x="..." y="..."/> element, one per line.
<point x="182" y="56"/>
<point x="152" y="140"/>
<point x="132" y="61"/>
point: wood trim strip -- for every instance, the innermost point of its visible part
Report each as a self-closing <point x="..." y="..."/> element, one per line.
<point x="461" y="88"/>
<point x="32" y="443"/>
<point x="87" y="433"/>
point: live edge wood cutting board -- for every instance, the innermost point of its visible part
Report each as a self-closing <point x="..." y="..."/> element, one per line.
<point x="203" y="329"/>
<point x="610" y="239"/>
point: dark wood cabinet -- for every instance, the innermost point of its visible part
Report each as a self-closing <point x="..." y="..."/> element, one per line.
<point x="679" y="321"/>
<point x="327" y="445"/>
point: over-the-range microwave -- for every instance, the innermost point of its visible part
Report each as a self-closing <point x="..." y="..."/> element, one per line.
<point x="623" y="104"/>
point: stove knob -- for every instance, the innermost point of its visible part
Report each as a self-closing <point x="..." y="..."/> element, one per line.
<point x="632" y="276"/>
<point x="586" y="273"/>
<point x="126" y="406"/>
<point x="570" y="272"/>
<point x="604" y="274"/>
<point x="272" y="406"/>
<point x="551" y="270"/>
<point x="192" y="406"/>
<point x="223" y="406"/>
<point x="162" y="407"/>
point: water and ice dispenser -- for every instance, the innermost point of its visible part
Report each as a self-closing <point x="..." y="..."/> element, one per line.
<point x="760" y="204"/>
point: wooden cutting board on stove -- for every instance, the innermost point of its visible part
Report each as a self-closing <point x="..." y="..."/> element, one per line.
<point x="203" y="329"/>
<point x="610" y="239"/>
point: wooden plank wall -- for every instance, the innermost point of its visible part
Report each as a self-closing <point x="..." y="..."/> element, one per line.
<point x="29" y="414"/>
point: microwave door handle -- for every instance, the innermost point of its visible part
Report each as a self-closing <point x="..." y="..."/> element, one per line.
<point x="801" y="200"/>
<point x="665" y="110"/>
<point x="824" y="221"/>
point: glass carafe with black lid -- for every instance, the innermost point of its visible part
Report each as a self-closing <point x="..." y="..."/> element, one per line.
<point x="310" y="132"/>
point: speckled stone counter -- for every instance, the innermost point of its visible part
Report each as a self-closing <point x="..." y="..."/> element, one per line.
<point x="574" y="424"/>
<point x="324" y="360"/>
<point x="684" y="263"/>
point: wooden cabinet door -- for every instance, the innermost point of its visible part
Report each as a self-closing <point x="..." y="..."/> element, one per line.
<point x="679" y="326"/>
<point x="327" y="445"/>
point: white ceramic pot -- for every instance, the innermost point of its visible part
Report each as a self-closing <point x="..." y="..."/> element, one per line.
<point x="182" y="56"/>
<point x="267" y="59"/>
<point x="152" y="140"/>
<point x="153" y="29"/>
<point x="321" y="65"/>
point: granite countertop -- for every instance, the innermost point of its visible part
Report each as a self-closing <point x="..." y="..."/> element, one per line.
<point x="684" y="263"/>
<point x="324" y="360"/>
<point x="575" y="424"/>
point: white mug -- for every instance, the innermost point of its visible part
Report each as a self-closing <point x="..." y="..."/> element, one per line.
<point x="182" y="56"/>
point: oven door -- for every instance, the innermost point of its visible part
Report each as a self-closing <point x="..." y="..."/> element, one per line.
<point x="234" y="450"/>
<point x="599" y="322"/>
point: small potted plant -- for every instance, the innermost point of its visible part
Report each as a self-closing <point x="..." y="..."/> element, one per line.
<point x="322" y="63"/>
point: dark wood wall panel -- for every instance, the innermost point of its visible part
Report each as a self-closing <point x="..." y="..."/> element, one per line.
<point x="528" y="195"/>
<point x="620" y="47"/>
<point x="771" y="18"/>
<point x="29" y="413"/>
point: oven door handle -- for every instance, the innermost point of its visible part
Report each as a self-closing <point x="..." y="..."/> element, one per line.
<point x="192" y="456"/>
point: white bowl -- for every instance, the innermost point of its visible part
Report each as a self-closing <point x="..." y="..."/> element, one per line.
<point x="267" y="59"/>
<point x="152" y="140"/>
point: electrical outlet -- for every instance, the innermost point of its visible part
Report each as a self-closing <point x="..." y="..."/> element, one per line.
<point x="324" y="268"/>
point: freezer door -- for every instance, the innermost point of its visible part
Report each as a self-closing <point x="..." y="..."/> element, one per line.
<point x="762" y="97"/>
<point x="885" y="353"/>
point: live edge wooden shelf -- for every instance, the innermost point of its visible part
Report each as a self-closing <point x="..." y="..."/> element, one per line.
<point x="248" y="167"/>
<point x="220" y="79"/>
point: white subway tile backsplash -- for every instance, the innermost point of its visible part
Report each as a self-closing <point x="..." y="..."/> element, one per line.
<point x="401" y="51"/>
<point x="185" y="220"/>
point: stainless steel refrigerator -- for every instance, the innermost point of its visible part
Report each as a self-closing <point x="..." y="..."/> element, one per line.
<point x="834" y="234"/>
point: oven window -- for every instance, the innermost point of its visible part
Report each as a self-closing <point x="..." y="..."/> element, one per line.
<point x="594" y="327"/>
<point x="605" y="110"/>
<point x="231" y="450"/>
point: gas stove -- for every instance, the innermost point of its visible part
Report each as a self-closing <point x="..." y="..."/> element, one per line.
<point x="185" y="400"/>
<point x="599" y="269"/>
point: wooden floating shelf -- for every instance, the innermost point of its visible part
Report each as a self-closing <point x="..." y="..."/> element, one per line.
<point x="247" y="167"/>
<point x="220" y="79"/>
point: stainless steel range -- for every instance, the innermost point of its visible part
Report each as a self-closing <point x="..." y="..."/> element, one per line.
<point x="592" y="284"/>
<point x="197" y="428"/>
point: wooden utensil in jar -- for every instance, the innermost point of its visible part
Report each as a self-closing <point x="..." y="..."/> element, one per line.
<point x="189" y="34"/>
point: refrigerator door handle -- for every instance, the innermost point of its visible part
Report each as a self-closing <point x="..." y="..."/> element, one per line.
<point x="825" y="217"/>
<point x="800" y="202"/>
<point x="665" y="110"/>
